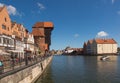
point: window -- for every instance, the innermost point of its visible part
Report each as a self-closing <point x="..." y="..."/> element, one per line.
<point x="8" y="28"/>
<point x="5" y="40"/>
<point x="5" y="20"/>
<point x="3" y="27"/>
<point x="0" y="40"/>
<point x="10" y="42"/>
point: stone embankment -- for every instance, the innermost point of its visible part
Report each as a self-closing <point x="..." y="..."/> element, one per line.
<point x="27" y="75"/>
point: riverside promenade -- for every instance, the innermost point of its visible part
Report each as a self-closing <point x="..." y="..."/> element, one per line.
<point x="25" y="72"/>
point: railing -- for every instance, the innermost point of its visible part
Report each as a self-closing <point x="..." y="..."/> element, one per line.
<point x="18" y="64"/>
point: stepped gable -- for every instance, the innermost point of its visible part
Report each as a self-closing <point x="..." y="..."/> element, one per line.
<point x="89" y="42"/>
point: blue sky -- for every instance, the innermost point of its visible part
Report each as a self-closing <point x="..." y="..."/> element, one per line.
<point x="75" y="21"/>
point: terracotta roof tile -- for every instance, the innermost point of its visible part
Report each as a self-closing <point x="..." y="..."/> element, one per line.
<point x="105" y="41"/>
<point x="44" y="25"/>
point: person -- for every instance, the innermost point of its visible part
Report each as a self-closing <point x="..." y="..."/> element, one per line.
<point x="1" y="67"/>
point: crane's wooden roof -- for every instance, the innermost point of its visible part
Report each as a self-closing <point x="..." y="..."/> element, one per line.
<point x="43" y="25"/>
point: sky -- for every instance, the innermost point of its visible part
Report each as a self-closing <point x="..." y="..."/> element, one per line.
<point x="75" y="21"/>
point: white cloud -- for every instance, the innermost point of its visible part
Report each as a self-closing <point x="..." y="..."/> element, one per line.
<point x="102" y="34"/>
<point x="118" y="12"/>
<point x="41" y="6"/>
<point x="1" y="4"/>
<point x="113" y="1"/>
<point x="76" y="35"/>
<point x="11" y="9"/>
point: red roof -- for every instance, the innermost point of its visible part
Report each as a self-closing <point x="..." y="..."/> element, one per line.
<point x="105" y="41"/>
<point x="44" y="25"/>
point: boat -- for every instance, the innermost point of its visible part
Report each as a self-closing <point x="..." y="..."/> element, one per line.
<point x="104" y="58"/>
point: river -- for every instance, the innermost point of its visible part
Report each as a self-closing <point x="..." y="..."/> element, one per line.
<point x="82" y="69"/>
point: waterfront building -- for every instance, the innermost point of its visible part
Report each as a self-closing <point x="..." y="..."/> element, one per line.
<point x="29" y="45"/>
<point x="17" y="40"/>
<point x="105" y="46"/>
<point x="42" y="35"/>
<point x="18" y="34"/>
<point x="85" y="48"/>
<point x="6" y="39"/>
<point x="101" y="46"/>
<point x="5" y="22"/>
<point x="89" y="47"/>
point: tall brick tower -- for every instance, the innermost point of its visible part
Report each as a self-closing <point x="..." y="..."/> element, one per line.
<point x="42" y="34"/>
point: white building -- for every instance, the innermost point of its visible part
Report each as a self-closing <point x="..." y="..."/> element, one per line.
<point x="102" y="46"/>
<point x="29" y="44"/>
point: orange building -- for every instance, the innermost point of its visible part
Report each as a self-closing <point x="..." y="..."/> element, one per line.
<point x="5" y="21"/>
<point x="18" y="31"/>
<point x="42" y="34"/>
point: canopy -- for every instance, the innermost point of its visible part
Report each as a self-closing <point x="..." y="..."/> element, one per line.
<point x="15" y="51"/>
<point x="4" y="53"/>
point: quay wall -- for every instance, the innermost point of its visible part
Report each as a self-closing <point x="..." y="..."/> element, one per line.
<point x="29" y="74"/>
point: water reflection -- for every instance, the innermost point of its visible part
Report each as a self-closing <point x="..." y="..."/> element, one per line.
<point x="82" y="69"/>
<point x="46" y="77"/>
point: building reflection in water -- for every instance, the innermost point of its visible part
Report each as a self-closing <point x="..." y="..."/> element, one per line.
<point x="107" y="69"/>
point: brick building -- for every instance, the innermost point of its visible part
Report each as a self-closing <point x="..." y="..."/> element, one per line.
<point x="6" y="40"/>
<point x="42" y="34"/>
<point x="5" y="21"/>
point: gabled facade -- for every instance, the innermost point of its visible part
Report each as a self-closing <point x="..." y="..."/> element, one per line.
<point x="101" y="46"/>
<point x="6" y="39"/>
<point x="85" y="48"/>
<point x="89" y="47"/>
<point x="18" y="34"/>
<point x="5" y="22"/>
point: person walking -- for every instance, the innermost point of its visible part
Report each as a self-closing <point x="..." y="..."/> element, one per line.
<point x="1" y="67"/>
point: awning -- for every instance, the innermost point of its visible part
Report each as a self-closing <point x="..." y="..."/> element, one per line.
<point x="4" y="53"/>
<point x="15" y="51"/>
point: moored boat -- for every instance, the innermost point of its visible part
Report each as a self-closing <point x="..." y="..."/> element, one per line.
<point x="104" y="58"/>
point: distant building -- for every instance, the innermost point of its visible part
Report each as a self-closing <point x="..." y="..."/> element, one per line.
<point x="100" y="46"/>
<point x="73" y="51"/>
<point x="42" y="34"/>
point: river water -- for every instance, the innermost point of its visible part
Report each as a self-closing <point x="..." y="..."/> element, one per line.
<point x="82" y="69"/>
